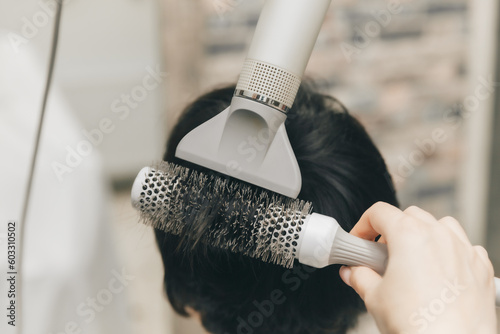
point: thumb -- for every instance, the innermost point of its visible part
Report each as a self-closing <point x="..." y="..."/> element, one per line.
<point x="361" y="279"/>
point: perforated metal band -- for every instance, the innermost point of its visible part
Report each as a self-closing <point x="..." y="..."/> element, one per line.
<point x="268" y="84"/>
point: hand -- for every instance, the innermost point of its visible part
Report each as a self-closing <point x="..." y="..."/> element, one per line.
<point x="435" y="281"/>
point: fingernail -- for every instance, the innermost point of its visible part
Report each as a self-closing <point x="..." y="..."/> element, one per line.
<point x="345" y="274"/>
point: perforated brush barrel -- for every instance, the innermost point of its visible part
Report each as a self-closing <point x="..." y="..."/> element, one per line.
<point x="278" y="233"/>
<point x="221" y="213"/>
<point x="268" y="84"/>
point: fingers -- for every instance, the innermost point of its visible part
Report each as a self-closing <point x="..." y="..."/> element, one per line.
<point x="378" y="219"/>
<point x="361" y="279"/>
<point x="483" y="255"/>
<point x="455" y="226"/>
<point x="420" y="214"/>
<point x="381" y="218"/>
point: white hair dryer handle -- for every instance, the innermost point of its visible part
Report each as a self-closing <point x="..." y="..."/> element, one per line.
<point x="281" y="47"/>
<point x="286" y="33"/>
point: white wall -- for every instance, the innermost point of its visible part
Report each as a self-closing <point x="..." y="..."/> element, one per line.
<point x="104" y="51"/>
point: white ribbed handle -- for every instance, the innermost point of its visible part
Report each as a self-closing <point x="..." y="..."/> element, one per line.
<point x="350" y="250"/>
<point x="323" y="242"/>
<point x="286" y="33"/>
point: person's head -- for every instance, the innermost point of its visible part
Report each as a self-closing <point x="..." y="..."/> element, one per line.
<point x="343" y="174"/>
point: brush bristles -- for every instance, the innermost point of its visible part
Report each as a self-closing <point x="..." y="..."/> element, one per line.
<point x="223" y="213"/>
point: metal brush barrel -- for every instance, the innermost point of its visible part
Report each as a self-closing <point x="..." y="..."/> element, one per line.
<point x="234" y="215"/>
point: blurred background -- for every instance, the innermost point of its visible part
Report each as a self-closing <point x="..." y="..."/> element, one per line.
<point x="423" y="79"/>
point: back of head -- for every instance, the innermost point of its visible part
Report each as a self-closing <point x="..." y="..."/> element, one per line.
<point x="343" y="174"/>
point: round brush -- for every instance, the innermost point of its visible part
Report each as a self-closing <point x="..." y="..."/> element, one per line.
<point x="234" y="215"/>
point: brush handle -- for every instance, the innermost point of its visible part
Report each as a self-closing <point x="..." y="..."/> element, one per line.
<point x="280" y="50"/>
<point x="286" y="33"/>
<point x="353" y="251"/>
<point x="350" y="250"/>
<point x="323" y="242"/>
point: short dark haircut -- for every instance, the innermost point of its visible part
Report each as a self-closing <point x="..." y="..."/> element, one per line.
<point x="343" y="174"/>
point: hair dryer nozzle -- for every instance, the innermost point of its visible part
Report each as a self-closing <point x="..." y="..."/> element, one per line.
<point x="247" y="141"/>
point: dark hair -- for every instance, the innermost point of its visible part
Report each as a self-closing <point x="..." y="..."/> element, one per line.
<point x="343" y="174"/>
